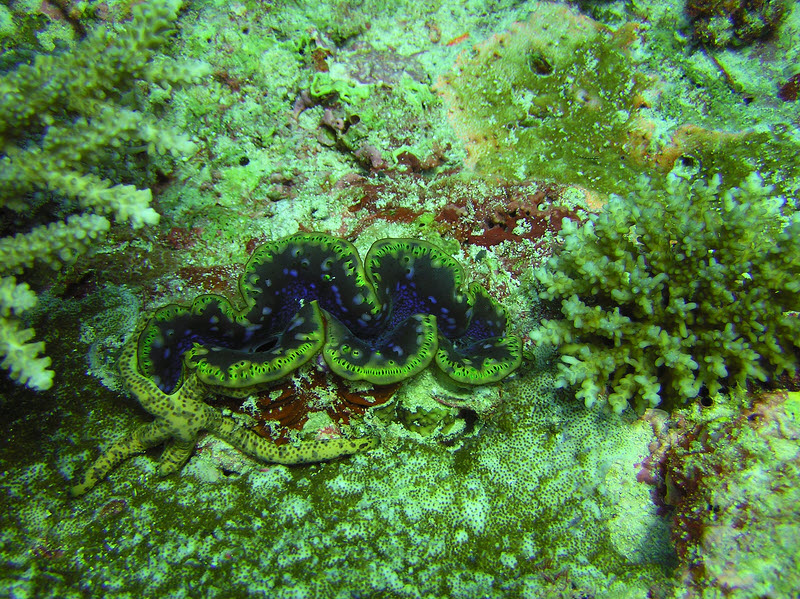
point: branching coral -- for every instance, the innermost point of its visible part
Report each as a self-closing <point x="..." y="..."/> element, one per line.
<point x="21" y="356"/>
<point x="669" y="291"/>
<point x="64" y="120"/>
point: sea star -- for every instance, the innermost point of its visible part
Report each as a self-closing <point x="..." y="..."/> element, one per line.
<point x="180" y="417"/>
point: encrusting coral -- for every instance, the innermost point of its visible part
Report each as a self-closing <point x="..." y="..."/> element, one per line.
<point x="734" y="482"/>
<point x="381" y="321"/>
<point x="64" y="119"/>
<point x="669" y="291"/>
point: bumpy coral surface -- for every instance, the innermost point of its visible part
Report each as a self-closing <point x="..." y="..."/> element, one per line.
<point x="670" y="291"/>
<point x="535" y="502"/>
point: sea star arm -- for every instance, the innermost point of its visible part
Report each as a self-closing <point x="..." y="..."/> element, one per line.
<point x="144" y="437"/>
<point x="179" y="418"/>
<point x="305" y="452"/>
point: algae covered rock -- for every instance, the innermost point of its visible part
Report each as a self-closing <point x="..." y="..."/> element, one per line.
<point x="555" y="96"/>
<point x="671" y="291"/>
<point x="734" y="23"/>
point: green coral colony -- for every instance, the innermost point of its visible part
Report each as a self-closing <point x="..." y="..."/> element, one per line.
<point x="381" y="321"/>
<point x="671" y="292"/>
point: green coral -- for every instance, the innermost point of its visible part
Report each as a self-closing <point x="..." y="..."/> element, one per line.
<point x="20" y="356"/>
<point x="322" y="85"/>
<point x="670" y="291"/>
<point x="67" y="121"/>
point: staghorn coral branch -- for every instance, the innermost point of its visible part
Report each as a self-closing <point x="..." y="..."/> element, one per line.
<point x="64" y="121"/>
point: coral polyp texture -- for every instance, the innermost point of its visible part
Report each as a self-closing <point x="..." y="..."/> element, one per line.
<point x="670" y="291"/>
<point x="67" y="121"/>
<point x="381" y="321"/>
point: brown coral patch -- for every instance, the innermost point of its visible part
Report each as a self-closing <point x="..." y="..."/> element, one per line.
<point x="701" y="464"/>
<point x="211" y="279"/>
<point x="515" y="213"/>
<point x="480" y="212"/>
<point x="788" y="91"/>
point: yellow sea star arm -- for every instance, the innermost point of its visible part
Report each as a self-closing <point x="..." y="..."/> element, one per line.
<point x="142" y="438"/>
<point x="179" y="418"/>
<point x="306" y="452"/>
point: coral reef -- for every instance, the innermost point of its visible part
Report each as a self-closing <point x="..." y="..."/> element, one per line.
<point x="670" y="291"/>
<point x="66" y="122"/>
<point x="319" y="116"/>
<point x="382" y="322"/>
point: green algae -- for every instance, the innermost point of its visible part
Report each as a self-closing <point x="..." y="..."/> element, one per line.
<point x="555" y="102"/>
<point x="598" y="107"/>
